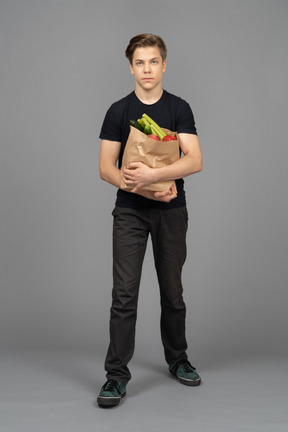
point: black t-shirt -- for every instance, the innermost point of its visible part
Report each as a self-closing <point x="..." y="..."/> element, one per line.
<point x="170" y="112"/>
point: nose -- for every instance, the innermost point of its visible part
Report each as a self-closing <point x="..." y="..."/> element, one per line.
<point x="147" y="67"/>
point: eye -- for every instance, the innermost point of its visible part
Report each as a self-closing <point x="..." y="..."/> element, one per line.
<point x="154" y="61"/>
<point x="139" y="63"/>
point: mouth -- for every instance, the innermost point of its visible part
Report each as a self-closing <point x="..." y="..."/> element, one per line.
<point x="147" y="79"/>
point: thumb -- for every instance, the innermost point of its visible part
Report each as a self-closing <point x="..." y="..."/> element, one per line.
<point x="133" y="164"/>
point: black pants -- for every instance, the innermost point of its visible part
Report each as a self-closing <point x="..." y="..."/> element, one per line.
<point x="131" y="229"/>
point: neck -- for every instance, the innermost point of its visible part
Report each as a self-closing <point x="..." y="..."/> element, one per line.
<point x="149" y="97"/>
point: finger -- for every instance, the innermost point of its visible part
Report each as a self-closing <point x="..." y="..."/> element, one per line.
<point x="133" y="165"/>
<point x="174" y="188"/>
<point x="128" y="174"/>
<point x="127" y="171"/>
<point x="162" y="194"/>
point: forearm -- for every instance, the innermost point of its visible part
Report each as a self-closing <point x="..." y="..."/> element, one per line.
<point x="111" y="175"/>
<point x="109" y="172"/>
<point x="164" y="196"/>
<point x="139" y="175"/>
<point x="183" y="167"/>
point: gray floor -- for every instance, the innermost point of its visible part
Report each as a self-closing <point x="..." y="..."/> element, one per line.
<point x="48" y="392"/>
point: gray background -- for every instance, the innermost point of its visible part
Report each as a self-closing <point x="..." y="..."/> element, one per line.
<point x="62" y="65"/>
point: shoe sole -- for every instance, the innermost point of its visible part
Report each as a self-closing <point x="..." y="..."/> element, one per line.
<point x="186" y="382"/>
<point x="109" y="402"/>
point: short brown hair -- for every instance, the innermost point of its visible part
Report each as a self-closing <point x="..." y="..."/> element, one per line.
<point x="145" y="40"/>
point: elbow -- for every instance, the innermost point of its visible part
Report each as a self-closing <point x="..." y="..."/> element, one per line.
<point x="102" y="173"/>
<point x="109" y="175"/>
<point x="104" y="177"/>
<point x="198" y="165"/>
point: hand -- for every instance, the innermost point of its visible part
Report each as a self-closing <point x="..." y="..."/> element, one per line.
<point x="168" y="195"/>
<point x="164" y="196"/>
<point x="137" y="175"/>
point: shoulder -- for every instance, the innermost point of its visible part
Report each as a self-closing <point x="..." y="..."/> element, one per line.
<point x="184" y="118"/>
<point x="177" y="100"/>
<point x="114" y="119"/>
<point x="178" y="105"/>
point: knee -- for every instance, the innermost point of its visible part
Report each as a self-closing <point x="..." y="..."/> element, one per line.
<point x="124" y="301"/>
<point x="173" y="300"/>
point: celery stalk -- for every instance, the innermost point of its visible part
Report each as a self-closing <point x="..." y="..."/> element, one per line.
<point x="154" y="131"/>
<point x="160" y="131"/>
<point x="146" y="123"/>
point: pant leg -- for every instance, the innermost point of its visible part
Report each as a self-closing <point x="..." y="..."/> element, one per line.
<point x="168" y="233"/>
<point x="130" y="234"/>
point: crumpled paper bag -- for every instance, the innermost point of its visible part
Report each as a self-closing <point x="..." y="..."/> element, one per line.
<point x="156" y="154"/>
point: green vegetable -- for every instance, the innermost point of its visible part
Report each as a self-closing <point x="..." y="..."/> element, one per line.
<point x="137" y="125"/>
<point x="157" y="130"/>
<point x="147" y="130"/>
<point x="145" y="122"/>
<point x="148" y="126"/>
<point x="141" y="122"/>
<point x="145" y="126"/>
<point x="154" y="131"/>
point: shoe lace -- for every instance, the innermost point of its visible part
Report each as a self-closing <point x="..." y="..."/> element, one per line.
<point x="111" y="385"/>
<point x="186" y="365"/>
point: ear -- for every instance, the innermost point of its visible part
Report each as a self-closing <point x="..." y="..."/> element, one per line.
<point x="131" y="69"/>
<point x="164" y="66"/>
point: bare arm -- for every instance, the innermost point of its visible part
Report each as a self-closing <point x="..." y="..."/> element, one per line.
<point x="109" y="154"/>
<point x="109" y="172"/>
<point x="139" y="175"/>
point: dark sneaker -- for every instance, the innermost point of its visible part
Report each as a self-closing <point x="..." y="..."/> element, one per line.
<point x="185" y="372"/>
<point x="111" y="393"/>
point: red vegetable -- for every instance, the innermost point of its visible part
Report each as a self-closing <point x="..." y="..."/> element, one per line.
<point x="155" y="137"/>
<point x="169" y="138"/>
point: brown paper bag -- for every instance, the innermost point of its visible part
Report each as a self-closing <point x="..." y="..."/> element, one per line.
<point x="156" y="154"/>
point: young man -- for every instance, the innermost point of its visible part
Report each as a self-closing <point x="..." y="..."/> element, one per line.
<point x="139" y="213"/>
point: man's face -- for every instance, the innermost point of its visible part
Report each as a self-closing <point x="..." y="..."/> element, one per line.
<point x="148" y="67"/>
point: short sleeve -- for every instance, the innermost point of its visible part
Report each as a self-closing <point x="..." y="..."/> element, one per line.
<point x="185" y="122"/>
<point x="111" y="128"/>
